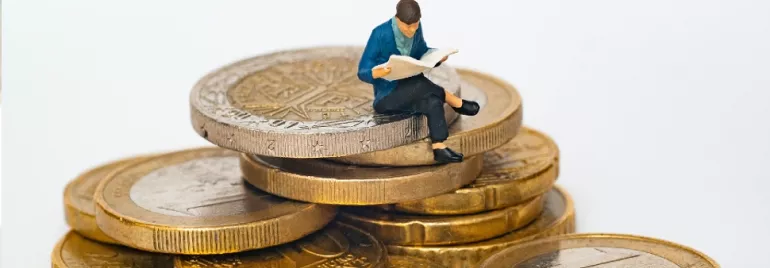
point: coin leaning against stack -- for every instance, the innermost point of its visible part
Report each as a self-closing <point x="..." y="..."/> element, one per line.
<point x="307" y="175"/>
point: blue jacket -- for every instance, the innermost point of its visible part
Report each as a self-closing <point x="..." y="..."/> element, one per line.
<point x="381" y="45"/>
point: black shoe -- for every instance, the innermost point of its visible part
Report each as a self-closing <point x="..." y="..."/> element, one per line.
<point x="460" y="155"/>
<point x="468" y="108"/>
<point x="446" y="156"/>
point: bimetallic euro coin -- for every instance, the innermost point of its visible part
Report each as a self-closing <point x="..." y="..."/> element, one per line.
<point x="417" y="230"/>
<point x="306" y="103"/>
<point x="76" y="251"/>
<point x="79" y="200"/>
<point x="337" y="245"/>
<point x="558" y="218"/>
<point x="326" y="182"/>
<point x="521" y="169"/>
<point x="195" y="202"/>
<point x="599" y="251"/>
<point x="497" y="122"/>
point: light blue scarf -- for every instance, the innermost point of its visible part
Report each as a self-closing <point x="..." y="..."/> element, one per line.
<point x="403" y="43"/>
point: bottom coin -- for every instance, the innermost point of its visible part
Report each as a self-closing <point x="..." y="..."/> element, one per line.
<point x="558" y="217"/>
<point x="337" y="245"/>
<point x="599" y="251"/>
<point x="77" y="251"/>
<point x="411" y="262"/>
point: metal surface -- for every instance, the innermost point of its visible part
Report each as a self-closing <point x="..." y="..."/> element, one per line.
<point x="558" y="217"/>
<point x="75" y="251"/>
<point x="521" y="169"/>
<point x="326" y="182"/>
<point x="599" y="251"/>
<point x="418" y="230"/>
<point x="79" y="200"/>
<point x="497" y="122"/>
<point x="411" y="262"/>
<point x="195" y="202"/>
<point x="306" y="103"/>
<point x="337" y="245"/>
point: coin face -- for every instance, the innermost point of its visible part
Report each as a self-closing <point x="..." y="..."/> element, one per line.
<point x="75" y="251"/>
<point x="79" y="202"/>
<point x="337" y="245"/>
<point x="326" y="182"/>
<point x="599" y="250"/>
<point x="521" y="169"/>
<point x="497" y="122"/>
<point x="558" y="217"/>
<point x="406" y="229"/>
<point x="173" y="202"/>
<point x="306" y="103"/>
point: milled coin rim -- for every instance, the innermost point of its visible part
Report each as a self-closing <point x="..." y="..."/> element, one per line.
<point x="617" y="236"/>
<point x="468" y="255"/>
<point x="543" y="179"/>
<point x="500" y="129"/>
<point x="231" y="135"/>
<point x="364" y="191"/>
<point x="407" y="235"/>
<point x="218" y="238"/>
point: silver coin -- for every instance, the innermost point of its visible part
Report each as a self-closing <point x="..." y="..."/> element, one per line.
<point x="306" y="103"/>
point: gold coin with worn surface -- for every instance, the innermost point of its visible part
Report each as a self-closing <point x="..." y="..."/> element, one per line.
<point x="76" y="251"/>
<point x="406" y="229"/>
<point x="327" y="182"/>
<point x="599" y="251"/>
<point x="79" y="200"/>
<point x="497" y="122"/>
<point x="411" y="262"/>
<point x="521" y="169"/>
<point x="195" y="202"/>
<point x="305" y="103"/>
<point x="337" y="245"/>
<point x="558" y="217"/>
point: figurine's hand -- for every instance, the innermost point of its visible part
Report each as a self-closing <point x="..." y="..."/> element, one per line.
<point x="378" y="72"/>
<point x="444" y="58"/>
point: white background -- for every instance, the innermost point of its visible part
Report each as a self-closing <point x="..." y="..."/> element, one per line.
<point x="659" y="106"/>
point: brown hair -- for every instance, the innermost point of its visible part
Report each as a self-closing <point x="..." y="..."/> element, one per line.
<point x="408" y="11"/>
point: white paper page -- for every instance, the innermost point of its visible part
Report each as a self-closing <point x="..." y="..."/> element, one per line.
<point x="433" y="56"/>
<point x="402" y="67"/>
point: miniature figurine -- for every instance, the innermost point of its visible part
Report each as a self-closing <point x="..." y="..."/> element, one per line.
<point x="402" y="35"/>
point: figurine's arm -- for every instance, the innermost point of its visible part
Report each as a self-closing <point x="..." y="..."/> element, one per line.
<point x="368" y="59"/>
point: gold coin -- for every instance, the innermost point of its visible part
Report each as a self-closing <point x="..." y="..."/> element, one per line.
<point x="337" y="245"/>
<point x="497" y="122"/>
<point x="195" y="202"/>
<point x="79" y="200"/>
<point x="326" y="182"/>
<point x="304" y="103"/>
<point x="417" y="230"/>
<point x="599" y="251"/>
<point x="411" y="262"/>
<point x="558" y="217"/>
<point x="521" y="169"/>
<point x="76" y="251"/>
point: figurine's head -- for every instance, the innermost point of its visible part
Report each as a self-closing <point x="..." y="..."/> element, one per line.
<point x="408" y="17"/>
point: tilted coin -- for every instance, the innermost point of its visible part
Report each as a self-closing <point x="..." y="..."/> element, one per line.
<point x="306" y="103"/>
<point x="558" y="218"/>
<point x="326" y="182"/>
<point x="337" y="245"/>
<point x="76" y="251"/>
<point x="521" y="169"/>
<point x="406" y="229"/>
<point x="79" y="200"/>
<point x="195" y="202"/>
<point x="411" y="262"/>
<point x="599" y="251"/>
<point x="497" y="122"/>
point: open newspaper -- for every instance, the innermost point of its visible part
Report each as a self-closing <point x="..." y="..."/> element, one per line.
<point x="405" y="66"/>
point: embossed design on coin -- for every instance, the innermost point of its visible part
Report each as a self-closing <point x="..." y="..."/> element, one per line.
<point x="284" y="103"/>
<point x="338" y="245"/>
<point x="195" y="202"/>
<point x="529" y="153"/>
<point x="75" y="251"/>
<point x="598" y="258"/>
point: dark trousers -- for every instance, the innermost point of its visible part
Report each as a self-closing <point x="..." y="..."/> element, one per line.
<point x="418" y="95"/>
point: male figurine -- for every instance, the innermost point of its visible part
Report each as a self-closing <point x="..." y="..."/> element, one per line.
<point x="402" y="35"/>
